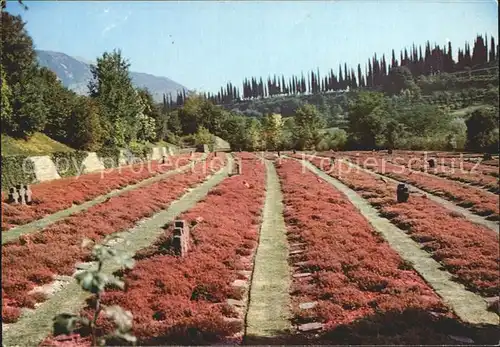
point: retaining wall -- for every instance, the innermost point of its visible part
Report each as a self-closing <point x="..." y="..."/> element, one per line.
<point x="28" y="170"/>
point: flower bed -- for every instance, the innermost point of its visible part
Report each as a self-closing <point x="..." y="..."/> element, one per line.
<point x="480" y="202"/>
<point x="183" y="300"/>
<point x="34" y="259"/>
<point x="468" y="251"/>
<point x="355" y="274"/>
<point x="56" y="195"/>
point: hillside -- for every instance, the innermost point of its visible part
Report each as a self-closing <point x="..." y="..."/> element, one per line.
<point x="38" y="144"/>
<point x="74" y="73"/>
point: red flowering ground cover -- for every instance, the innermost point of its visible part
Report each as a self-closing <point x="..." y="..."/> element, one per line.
<point x="178" y="300"/>
<point x="246" y="155"/>
<point x="468" y="251"/>
<point x="355" y="273"/>
<point x="464" y="161"/>
<point x="480" y="202"/>
<point x="56" y="195"/>
<point x="452" y="172"/>
<point x="35" y="259"/>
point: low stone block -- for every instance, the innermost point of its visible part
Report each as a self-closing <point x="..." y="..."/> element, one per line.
<point x="301" y="263"/>
<point x="308" y="305"/>
<point x="240" y="283"/>
<point x="310" y="327"/>
<point x="237" y="303"/>
<point x="245" y="273"/>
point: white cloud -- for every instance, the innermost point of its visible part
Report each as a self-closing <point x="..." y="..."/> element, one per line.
<point x="116" y="24"/>
<point x="108" y="28"/>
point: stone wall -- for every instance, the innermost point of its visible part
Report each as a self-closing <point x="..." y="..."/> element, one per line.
<point x="221" y="146"/>
<point x="45" y="169"/>
<point x="92" y="163"/>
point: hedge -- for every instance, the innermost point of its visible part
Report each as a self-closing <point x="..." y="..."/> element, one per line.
<point x="109" y="152"/>
<point x="13" y="172"/>
<point x="69" y="163"/>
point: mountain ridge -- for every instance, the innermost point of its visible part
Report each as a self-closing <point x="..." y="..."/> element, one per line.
<point x="74" y="73"/>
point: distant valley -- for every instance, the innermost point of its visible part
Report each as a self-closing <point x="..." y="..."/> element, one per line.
<point x="74" y="73"/>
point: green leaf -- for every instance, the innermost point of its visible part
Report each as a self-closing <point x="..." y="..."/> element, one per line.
<point x="92" y="281"/>
<point x="123" y="319"/>
<point x="125" y="260"/>
<point x="116" y="282"/>
<point x="64" y="324"/>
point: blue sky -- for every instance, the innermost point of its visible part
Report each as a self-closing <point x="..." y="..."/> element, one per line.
<point x="204" y="44"/>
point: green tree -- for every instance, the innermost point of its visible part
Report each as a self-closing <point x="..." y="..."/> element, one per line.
<point x="423" y="120"/>
<point x="198" y="111"/>
<point x="368" y="115"/>
<point x="3" y="4"/>
<point x="59" y="102"/>
<point x="253" y="141"/>
<point x="393" y="131"/>
<point x="6" y="96"/>
<point x="482" y="130"/>
<point x="29" y="111"/>
<point x="334" y="139"/>
<point x="83" y="126"/>
<point x="149" y="122"/>
<point x="119" y="102"/>
<point x="189" y="114"/>
<point x="399" y="79"/>
<point x="235" y="131"/>
<point x="20" y="67"/>
<point x="273" y="131"/>
<point x="203" y="136"/>
<point x="308" y="123"/>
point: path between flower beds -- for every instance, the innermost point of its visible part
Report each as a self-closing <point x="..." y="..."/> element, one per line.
<point x="269" y="300"/>
<point x="34" y="326"/>
<point x="14" y="233"/>
<point x="469" y="307"/>
<point x="495" y="226"/>
<point x="449" y="205"/>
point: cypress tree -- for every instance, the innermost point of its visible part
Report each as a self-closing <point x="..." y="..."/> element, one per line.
<point x="492" y="55"/>
<point x="360" y="80"/>
<point x="354" y="84"/>
<point x="341" y="79"/>
<point x="369" y="76"/>
<point x="394" y="62"/>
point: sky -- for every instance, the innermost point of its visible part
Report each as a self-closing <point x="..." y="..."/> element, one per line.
<point x="205" y="44"/>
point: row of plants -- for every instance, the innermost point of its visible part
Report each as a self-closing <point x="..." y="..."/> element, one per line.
<point x="467" y="250"/>
<point x="183" y="300"/>
<point x="355" y="275"/>
<point x="479" y="201"/>
<point x="451" y="168"/>
<point x="452" y="172"/>
<point x="56" y="195"/>
<point x="22" y="273"/>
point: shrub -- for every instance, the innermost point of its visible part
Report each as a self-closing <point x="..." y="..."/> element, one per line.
<point x="16" y="169"/>
<point x="69" y="164"/>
